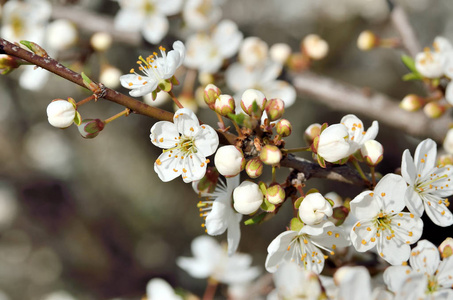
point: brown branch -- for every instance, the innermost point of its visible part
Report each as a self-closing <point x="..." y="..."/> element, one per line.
<point x="401" y="23"/>
<point x="352" y="99"/>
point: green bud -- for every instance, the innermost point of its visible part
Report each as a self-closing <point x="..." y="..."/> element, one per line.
<point x="412" y="102"/>
<point x="283" y="128"/>
<point x="90" y="128"/>
<point x="211" y="93"/>
<point x="254" y="167"/>
<point x="312" y="131"/>
<point x="275" y="109"/>
<point x="275" y="194"/>
<point x="270" y="155"/>
<point x="434" y="110"/>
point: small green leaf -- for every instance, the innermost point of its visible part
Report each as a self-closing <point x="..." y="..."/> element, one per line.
<point x="267" y="206"/>
<point x="298" y="202"/>
<point x="409" y="63"/>
<point x="311" y="191"/>
<point x="321" y="162"/>
<point x="412" y="76"/>
<point x="256" y="219"/>
<point x="77" y="118"/>
<point x="262" y="187"/>
<point x="296" y="224"/>
<point x="72" y="101"/>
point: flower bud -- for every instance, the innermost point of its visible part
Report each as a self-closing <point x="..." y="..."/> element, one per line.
<point x="367" y="40"/>
<point x="372" y="151"/>
<point x="283" y="128"/>
<point x="315" y="47"/>
<point x="311" y="132"/>
<point x="270" y="155"/>
<point x="253" y="52"/>
<point x="211" y="93"/>
<point x="446" y="159"/>
<point x="275" y="109"/>
<point x="205" y="78"/>
<point x="448" y="141"/>
<point x="247" y="198"/>
<point x="229" y="160"/>
<point x="275" y="194"/>
<point x="8" y="63"/>
<point x="336" y="199"/>
<point x="254" y="167"/>
<point x="446" y="248"/>
<point x="280" y="52"/>
<point x="224" y="105"/>
<point x="333" y="143"/>
<point x="110" y="77"/>
<point x="434" y="110"/>
<point x="249" y="97"/>
<point x="90" y="128"/>
<point x="101" y="41"/>
<point x="61" y="34"/>
<point x="61" y="113"/>
<point x="314" y="208"/>
<point x="412" y="102"/>
<point x="208" y="183"/>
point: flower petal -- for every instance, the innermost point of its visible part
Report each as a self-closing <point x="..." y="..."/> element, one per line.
<point x="207" y="140"/>
<point x="363" y="236"/>
<point x="425" y="157"/>
<point x="277" y="249"/>
<point x="164" y="135"/>
<point x="234" y="232"/>
<point x="169" y="7"/>
<point x="193" y="167"/>
<point x="425" y="258"/>
<point x="392" y="249"/>
<point x="395" y="276"/>
<point x="282" y="90"/>
<point x="129" y="20"/>
<point x="408" y="169"/>
<point x="445" y="273"/>
<point x="154" y="28"/>
<point x="167" y="166"/>
<point x="392" y="188"/>
<point x="437" y="211"/>
<point x="413" y="201"/>
<point x="365" y="207"/>
<point x="186" y="121"/>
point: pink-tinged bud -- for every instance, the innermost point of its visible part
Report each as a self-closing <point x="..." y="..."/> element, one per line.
<point x="412" y="102"/>
<point x="270" y="155"/>
<point x="312" y="132"/>
<point x="275" y="194"/>
<point x="283" y="128"/>
<point x="247" y="198"/>
<point x="208" y="183"/>
<point x="446" y="248"/>
<point x="61" y="113"/>
<point x="254" y="167"/>
<point x="367" y="40"/>
<point x="249" y="97"/>
<point x="229" y="160"/>
<point x="90" y="128"/>
<point x="211" y="93"/>
<point x="224" y="105"/>
<point x="280" y="52"/>
<point x="373" y="152"/>
<point x="339" y="215"/>
<point x="315" y="47"/>
<point x="8" y="63"/>
<point x="275" y="109"/>
<point x="434" y="110"/>
<point x="446" y="159"/>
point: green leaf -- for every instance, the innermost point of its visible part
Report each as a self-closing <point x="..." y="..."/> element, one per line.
<point x="298" y="202"/>
<point x="409" y="63"/>
<point x="256" y="219"/>
<point x="296" y="224"/>
<point x="267" y="206"/>
<point x="86" y="80"/>
<point x="311" y="191"/>
<point x="321" y="162"/>
<point x="241" y="119"/>
<point x="412" y="76"/>
<point x="77" y="118"/>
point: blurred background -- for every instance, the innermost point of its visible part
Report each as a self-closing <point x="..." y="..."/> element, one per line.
<point x="89" y="219"/>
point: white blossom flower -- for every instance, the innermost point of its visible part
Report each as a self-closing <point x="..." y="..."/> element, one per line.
<point x="61" y="113"/>
<point x="333" y="143"/>
<point x="314" y="209"/>
<point x="315" y="47"/>
<point x="303" y="247"/>
<point x="61" y="34"/>
<point x="247" y="198"/>
<point x="186" y="144"/>
<point x="207" y="52"/>
<point x="357" y="135"/>
<point x="433" y="64"/>
<point x="381" y="222"/>
<point x="292" y="282"/>
<point x="211" y="261"/>
<point x="147" y="16"/>
<point x="156" y="70"/>
<point x="428" y="184"/>
<point x="431" y="277"/>
<point x="262" y="77"/>
<point x="219" y="214"/>
<point x="253" y="52"/>
<point x="201" y="14"/>
<point x="159" y="289"/>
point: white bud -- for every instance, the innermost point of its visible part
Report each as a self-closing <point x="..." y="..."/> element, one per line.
<point x="101" y="41"/>
<point x="367" y="40"/>
<point x="61" y="34"/>
<point x="253" y="52"/>
<point x="280" y="52"/>
<point x="336" y="199"/>
<point x="315" y="47"/>
<point x="333" y="143"/>
<point x="229" y="161"/>
<point x="314" y="209"/>
<point x="250" y="96"/>
<point x="60" y="113"/>
<point x="224" y="105"/>
<point x="110" y="77"/>
<point x="448" y="142"/>
<point x="373" y="152"/>
<point x="247" y="198"/>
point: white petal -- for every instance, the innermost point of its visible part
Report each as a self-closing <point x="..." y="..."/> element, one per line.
<point x="169" y="7"/>
<point x="392" y="249"/>
<point x="129" y="20"/>
<point x="239" y="78"/>
<point x="194" y="167"/>
<point x="408" y="170"/>
<point x="32" y="79"/>
<point x="392" y="189"/>
<point x="438" y="212"/>
<point x="443" y="294"/>
<point x="167" y="166"/>
<point x="407" y="227"/>
<point x="164" y="134"/>
<point x="395" y="276"/>
<point x="354" y="283"/>
<point x="207" y="140"/>
<point x="425" y="257"/>
<point x="234" y="232"/>
<point x="277" y="250"/>
<point x="159" y="289"/>
<point x="186" y="122"/>
<point x="425" y="157"/>
<point x="363" y="236"/>
<point x="270" y="72"/>
<point x="445" y="273"/>
<point x="413" y="288"/>
<point x="227" y="38"/>
<point x="413" y="201"/>
<point x="143" y="90"/>
<point x="282" y="90"/>
<point x="365" y="207"/>
<point x="154" y="28"/>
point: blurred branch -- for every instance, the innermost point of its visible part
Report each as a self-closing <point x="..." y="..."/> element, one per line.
<point x="401" y="23"/>
<point x="94" y="22"/>
<point x="352" y="99"/>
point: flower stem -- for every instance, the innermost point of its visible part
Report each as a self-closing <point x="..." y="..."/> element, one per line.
<point x="189" y="81"/>
<point x="88" y="99"/>
<point x="297" y="149"/>
<point x="173" y="97"/>
<point x="273" y="173"/>
<point x="238" y="129"/>
<point x="359" y="169"/>
<point x="211" y="288"/>
<point x="373" y="175"/>
<point x="125" y="112"/>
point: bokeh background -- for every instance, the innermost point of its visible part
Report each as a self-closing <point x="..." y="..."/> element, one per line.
<point x="89" y="219"/>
